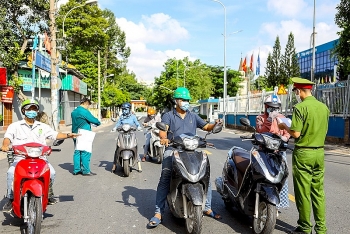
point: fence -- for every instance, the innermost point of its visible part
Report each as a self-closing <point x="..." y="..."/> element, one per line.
<point x="335" y="95"/>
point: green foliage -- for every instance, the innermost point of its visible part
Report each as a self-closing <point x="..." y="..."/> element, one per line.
<point x="261" y="83"/>
<point x="88" y="30"/>
<point x="272" y="71"/>
<point x="113" y="96"/>
<point x="342" y="19"/>
<point x="289" y="62"/>
<point x="233" y="79"/>
<point x="16" y="83"/>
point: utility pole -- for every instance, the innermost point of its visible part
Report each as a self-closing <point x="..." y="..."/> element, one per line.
<point x="54" y="86"/>
<point x="313" y="45"/>
<point x="99" y="86"/>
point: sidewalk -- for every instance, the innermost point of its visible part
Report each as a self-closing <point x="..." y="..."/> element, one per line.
<point x="63" y="129"/>
<point x="329" y="147"/>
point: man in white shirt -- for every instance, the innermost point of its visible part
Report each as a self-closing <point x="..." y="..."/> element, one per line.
<point x="26" y="131"/>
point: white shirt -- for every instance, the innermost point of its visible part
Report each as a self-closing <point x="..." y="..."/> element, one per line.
<point x="21" y="133"/>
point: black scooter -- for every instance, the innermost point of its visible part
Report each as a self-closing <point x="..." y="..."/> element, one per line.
<point x="189" y="179"/>
<point x="252" y="180"/>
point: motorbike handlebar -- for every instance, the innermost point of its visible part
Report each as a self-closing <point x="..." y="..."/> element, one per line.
<point x="245" y="137"/>
<point x="56" y="150"/>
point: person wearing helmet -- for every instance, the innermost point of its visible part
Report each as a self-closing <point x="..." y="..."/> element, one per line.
<point x="151" y="118"/>
<point x="26" y="131"/>
<point x="178" y="121"/>
<point x="268" y="122"/>
<point x="127" y="117"/>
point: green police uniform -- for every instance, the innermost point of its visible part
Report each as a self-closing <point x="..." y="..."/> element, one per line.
<point x="310" y="118"/>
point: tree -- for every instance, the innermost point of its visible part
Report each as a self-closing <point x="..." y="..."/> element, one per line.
<point x="261" y="83"/>
<point x="89" y="30"/>
<point x="113" y="96"/>
<point x="289" y="66"/>
<point x="342" y="19"/>
<point x="272" y="70"/>
<point x="19" y="21"/>
<point x="234" y="78"/>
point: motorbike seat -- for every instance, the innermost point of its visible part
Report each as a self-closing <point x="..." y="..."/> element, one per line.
<point x="242" y="159"/>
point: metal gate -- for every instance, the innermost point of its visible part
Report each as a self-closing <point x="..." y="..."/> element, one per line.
<point x="69" y="102"/>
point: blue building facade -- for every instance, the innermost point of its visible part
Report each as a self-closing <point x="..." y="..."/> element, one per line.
<point x="325" y="62"/>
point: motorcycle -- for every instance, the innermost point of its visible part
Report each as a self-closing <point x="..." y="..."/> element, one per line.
<point x="126" y="150"/>
<point x="190" y="178"/>
<point x="31" y="183"/>
<point x="156" y="150"/>
<point x="252" y="180"/>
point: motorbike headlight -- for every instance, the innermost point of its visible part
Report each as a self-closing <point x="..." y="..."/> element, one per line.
<point x="34" y="152"/>
<point x="271" y="143"/>
<point x="190" y="143"/>
<point x="126" y="127"/>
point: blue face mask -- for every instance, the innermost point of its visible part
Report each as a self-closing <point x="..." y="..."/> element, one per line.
<point x="31" y="114"/>
<point x="126" y="111"/>
<point x="184" y="106"/>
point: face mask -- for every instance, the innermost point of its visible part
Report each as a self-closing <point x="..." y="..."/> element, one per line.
<point x="31" y="114"/>
<point x="297" y="96"/>
<point x="184" y="106"/>
<point x="125" y="111"/>
<point x="152" y="116"/>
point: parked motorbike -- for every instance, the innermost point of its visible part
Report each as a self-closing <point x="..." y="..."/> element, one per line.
<point x="126" y="150"/>
<point x="252" y="180"/>
<point x="31" y="184"/>
<point x="156" y="150"/>
<point x="190" y="178"/>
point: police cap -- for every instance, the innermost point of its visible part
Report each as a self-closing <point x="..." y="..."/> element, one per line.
<point x="300" y="83"/>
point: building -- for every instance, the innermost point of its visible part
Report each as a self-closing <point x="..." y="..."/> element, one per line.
<point x="325" y="63"/>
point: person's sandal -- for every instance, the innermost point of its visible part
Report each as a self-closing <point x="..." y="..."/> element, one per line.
<point x="155" y="221"/>
<point x="213" y="214"/>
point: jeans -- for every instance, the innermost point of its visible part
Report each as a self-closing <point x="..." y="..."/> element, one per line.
<point x="147" y="144"/>
<point x="11" y="176"/>
<point x="164" y="184"/>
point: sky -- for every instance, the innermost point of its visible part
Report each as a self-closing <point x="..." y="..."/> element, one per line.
<point x="157" y="30"/>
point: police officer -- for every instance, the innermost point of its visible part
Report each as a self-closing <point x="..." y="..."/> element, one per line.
<point x="309" y="128"/>
<point x="178" y="121"/>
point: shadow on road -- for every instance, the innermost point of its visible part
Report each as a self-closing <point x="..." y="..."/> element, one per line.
<point x="67" y="166"/>
<point x="225" y="143"/>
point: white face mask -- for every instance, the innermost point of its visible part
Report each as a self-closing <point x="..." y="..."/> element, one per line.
<point x="297" y="95"/>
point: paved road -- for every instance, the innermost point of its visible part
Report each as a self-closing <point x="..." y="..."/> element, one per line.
<point x="112" y="203"/>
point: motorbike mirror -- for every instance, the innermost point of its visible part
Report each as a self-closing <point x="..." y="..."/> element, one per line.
<point x="161" y="126"/>
<point x="217" y="128"/>
<point x="57" y="142"/>
<point x="244" y="122"/>
<point x="113" y="119"/>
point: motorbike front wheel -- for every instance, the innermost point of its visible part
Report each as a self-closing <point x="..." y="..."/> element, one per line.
<point x="194" y="219"/>
<point x="160" y="155"/>
<point x="35" y="215"/>
<point x="126" y="167"/>
<point x="266" y="221"/>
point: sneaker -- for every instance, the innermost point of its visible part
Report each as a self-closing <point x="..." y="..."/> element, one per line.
<point x="52" y="200"/>
<point x="296" y="231"/>
<point x="8" y="206"/>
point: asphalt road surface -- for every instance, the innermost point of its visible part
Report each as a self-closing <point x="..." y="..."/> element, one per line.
<point x="112" y="203"/>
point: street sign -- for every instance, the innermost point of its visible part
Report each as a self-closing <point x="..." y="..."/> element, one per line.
<point x="7" y="93"/>
<point x="42" y="62"/>
<point x="281" y="90"/>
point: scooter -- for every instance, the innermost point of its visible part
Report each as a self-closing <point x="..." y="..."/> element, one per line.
<point x="31" y="184"/>
<point x="252" y="180"/>
<point x="126" y="150"/>
<point x="189" y="179"/>
<point x="156" y="150"/>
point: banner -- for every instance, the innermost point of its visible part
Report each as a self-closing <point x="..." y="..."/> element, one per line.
<point x="7" y="93"/>
<point x="3" y="76"/>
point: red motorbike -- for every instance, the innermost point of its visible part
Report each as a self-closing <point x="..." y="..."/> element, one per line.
<point x="31" y="184"/>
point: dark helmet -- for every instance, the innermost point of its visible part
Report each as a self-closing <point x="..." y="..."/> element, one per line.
<point x="126" y="109"/>
<point x="273" y="101"/>
<point x="126" y="105"/>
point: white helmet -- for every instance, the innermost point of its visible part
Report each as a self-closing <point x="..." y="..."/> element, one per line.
<point x="273" y="101"/>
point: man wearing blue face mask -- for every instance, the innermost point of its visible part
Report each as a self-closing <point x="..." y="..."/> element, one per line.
<point x="178" y="121"/>
<point x="127" y="117"/>
<point x="26" y="131"/>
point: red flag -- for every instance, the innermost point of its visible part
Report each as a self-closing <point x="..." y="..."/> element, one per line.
<point x="251" y="63"/>
<point x="244" y="65"/>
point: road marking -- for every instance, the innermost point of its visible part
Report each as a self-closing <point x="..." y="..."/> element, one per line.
<point x="291" y="197"/>
<point x="207" y="152"/>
